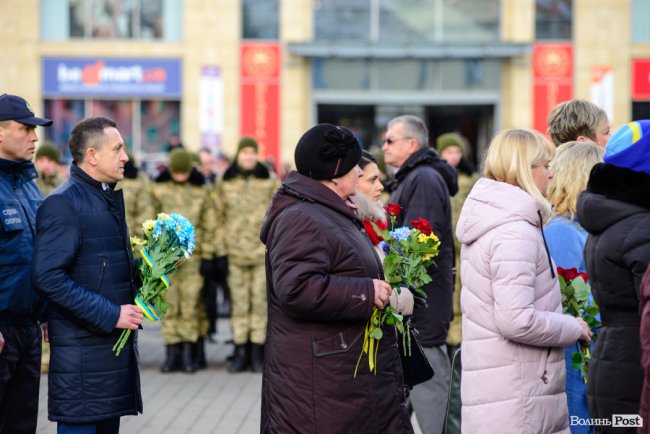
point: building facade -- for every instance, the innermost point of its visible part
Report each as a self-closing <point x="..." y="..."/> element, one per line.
<point x="209" y="71"/>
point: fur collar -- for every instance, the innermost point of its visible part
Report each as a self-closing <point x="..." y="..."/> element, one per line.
<point x="196" y="177"/>
<point x="620" y="184"/>
<point x="368" y="210"/>
<point x="259" y="171"/>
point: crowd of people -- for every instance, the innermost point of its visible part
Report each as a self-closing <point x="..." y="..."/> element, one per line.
<point x="297" y="263"/>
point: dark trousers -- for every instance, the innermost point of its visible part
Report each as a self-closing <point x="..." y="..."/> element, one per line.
<point x="20" y="372"/>
<point x="108" y="426"/>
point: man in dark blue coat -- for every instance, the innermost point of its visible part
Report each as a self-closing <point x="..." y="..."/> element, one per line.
<point x="422" y="192"/>
<point x="20" y="309"/>
<point x="83" y="267"/>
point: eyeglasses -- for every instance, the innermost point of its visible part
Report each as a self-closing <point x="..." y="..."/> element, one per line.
<point x="390" y="141"/>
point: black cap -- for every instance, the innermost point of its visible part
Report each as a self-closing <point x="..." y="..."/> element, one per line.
<point x="326" y="152"/>
<point x="14" y="108"/>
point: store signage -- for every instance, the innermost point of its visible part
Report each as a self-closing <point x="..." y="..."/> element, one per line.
<point x="260" y="96"/>
<point x="641" y="79"/>
<point x="552" y="79"/>
<point x="98" y="77"/>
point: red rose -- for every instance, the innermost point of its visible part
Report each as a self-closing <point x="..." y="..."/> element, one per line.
<point x="568" y="273"/>
<point x="422" y="225"/>
<point x="393" y="209"/>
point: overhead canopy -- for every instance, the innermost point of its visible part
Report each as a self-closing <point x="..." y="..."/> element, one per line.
<point x="443" y="51"/>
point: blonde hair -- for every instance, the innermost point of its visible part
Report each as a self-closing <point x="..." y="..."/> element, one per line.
<point x="511" y="156"/>
<point x="571" y="166"/>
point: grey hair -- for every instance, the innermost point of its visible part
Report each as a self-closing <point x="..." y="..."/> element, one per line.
<point x="413" y="127"/>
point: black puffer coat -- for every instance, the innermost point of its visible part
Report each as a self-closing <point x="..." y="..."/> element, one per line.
<point x="615" y="210"/>
<point x="83" y="267"/>
<point x="422" y="192"/>
<point x="319" y="269"/>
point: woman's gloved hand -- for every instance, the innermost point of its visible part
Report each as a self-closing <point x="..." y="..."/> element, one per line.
<point x="402" y="302"/>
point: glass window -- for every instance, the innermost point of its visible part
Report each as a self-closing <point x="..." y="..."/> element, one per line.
<point x="407" y="21"/>
<point x="346" y="20"/>
<point x="553" y="19"/>
<point x="119" y="111"/>
<point x="260" y="19"/>
<point x="117" y="19"/>
<point x="65" y="114"/>
<point x="640" y="21"/>
<point x="406" y="75"/>
<point x="159" y="121"/>
<point x="439" y="20"/>
<point x="146" y="126"/>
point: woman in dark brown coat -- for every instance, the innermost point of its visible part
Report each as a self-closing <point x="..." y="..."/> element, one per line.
<point x="323" y="280"/>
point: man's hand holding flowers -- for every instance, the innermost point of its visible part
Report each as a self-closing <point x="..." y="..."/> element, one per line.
<point x="130" y="317"/>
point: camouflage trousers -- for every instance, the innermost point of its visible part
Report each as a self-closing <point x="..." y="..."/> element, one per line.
<point x="454" y="335"/>
<point x="248" y="303"/>
<point x="186" y="319"/>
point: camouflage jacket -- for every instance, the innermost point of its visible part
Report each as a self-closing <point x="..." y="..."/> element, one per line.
<point x="241" y="206"/>
<point x="48" y="184"/>
<point x="138" y="202"/>
<point x="193" y="199"/>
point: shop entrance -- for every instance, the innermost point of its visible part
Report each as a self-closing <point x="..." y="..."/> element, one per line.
<point x="368" y="122"/>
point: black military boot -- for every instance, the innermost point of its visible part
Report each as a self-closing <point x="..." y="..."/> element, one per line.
<point x="257" y="357"/>
<point x="186" y="358"/>
<point x="199" y="354"/>
<point x="171" y="363"/>
<point x="240" y="362"/>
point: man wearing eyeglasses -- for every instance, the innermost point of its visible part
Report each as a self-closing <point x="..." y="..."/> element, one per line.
<point x="421" y="190"/>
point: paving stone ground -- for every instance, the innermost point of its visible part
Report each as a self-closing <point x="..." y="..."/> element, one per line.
<point x="206" y="402"/>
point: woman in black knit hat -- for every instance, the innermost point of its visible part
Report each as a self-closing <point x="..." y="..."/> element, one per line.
<point x="324" y="279"/>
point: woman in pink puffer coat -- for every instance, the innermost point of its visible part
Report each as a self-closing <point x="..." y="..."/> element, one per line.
<point x="513" y="378"/>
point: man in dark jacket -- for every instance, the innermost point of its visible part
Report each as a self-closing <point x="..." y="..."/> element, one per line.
<point x="20" y="308"/>
<point x="83" y="266"/>
<point x="423" y="193"/>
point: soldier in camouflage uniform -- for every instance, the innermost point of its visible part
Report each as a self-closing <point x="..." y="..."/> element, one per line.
<point x="243" y="194"/>
<point x="138" y="202"/>
<point x="182" y="189"/>
<point x="46" y="161"/>
<point x="451" y="148"/>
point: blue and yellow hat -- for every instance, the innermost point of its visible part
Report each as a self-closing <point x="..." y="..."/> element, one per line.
<point x="629" y="147"/>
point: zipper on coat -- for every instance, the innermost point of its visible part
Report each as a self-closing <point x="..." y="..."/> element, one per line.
<point x="541" y="370"/>
<point x="101" y="275"/>
<point x="548" y="254"/>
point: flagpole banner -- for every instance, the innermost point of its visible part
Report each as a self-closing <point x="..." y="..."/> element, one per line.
<point x="260" y="96"/>
<point x="211" y="107"/>
<point x="552" y="79"/>
<point x="641" y="79"/>
<point x="602" y="88"/>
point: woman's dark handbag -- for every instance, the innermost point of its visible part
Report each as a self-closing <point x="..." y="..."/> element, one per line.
<point x="452" y="419"/>
<point x="416" y="367"/>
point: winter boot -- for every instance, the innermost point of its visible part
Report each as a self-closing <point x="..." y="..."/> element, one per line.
<point x="257" y="357"/>
<point x="171" y="363"/>
<point x="239" y="363"/>
<point x="199" y="354"/>
<point x="186" y="358"/>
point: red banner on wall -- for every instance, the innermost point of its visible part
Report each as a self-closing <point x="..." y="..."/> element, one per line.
<point x="260" y="96"/>
<point x="552" y="80"/>
<point x="641" y="79"/>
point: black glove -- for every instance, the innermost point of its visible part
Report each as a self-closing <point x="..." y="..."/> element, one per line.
<point x="206" y="268"/>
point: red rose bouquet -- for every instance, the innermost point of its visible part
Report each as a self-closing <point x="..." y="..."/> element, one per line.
<point x="409" y="251"/>
<point x="577" y="302"/>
